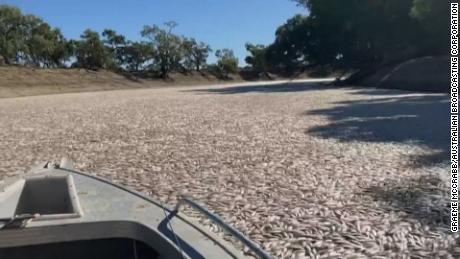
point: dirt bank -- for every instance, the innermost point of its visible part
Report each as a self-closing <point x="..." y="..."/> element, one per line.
<point x="426" y="74"/>
<point x="22" y="81"/>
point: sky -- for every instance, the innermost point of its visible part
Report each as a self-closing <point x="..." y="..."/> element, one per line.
<point x="220" y="23"/>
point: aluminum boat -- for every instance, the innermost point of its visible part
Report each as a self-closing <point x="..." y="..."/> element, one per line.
<point x="55" y="211"/>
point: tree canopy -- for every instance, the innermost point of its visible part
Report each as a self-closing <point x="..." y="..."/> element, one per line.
<point x="227" y="62"/>
<point x="257" y="58"/>
<point x="115" y="45"/>
<point x="195" y="53"/>
<point x="28" y="40"/>
<point x="90" y="51"/>
<point x="355" y="34"/>
<point x="167" y="46"/>
<point x="345" y="35"/>
<point x="136" y="56"/>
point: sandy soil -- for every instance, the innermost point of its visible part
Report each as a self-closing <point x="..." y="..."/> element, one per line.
<point x="306" y="170"/>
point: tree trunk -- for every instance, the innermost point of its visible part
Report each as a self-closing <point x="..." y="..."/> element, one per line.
<point x="164" y="72"/>
<point x="6" y="60"/>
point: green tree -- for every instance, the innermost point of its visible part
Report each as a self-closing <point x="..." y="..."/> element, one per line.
<point x="358" y="35"/>
<point x="27" y="39"/>
<point x="195" y="54"/>
<point x="11" y="33"/>
<point x="137" y="55"/>
<point x="44" y="46"/>
<point x="116" y="44"/>
<point x="257" y="57"/>
<point x="298" y="44"/>
<point x="167" y="46"/>
<point x="226" y="62"/>
<point x="90" y="51"/>
<point x="433" y="16"/>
